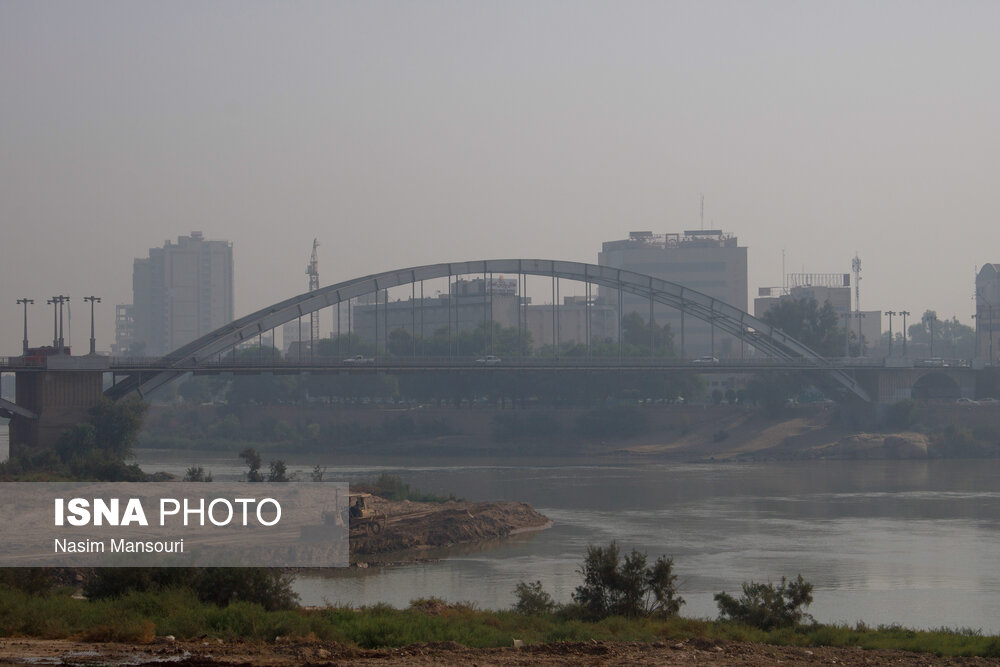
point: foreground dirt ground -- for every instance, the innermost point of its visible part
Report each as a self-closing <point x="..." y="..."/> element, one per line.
<point x="687" y="652"/>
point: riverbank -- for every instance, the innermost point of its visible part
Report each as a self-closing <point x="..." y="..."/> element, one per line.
<point x="688" y="433"/>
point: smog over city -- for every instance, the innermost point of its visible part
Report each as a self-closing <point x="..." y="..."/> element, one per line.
<point x="575" y="310"/>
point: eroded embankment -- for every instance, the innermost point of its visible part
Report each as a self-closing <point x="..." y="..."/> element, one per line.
<point x="417" y="526"/>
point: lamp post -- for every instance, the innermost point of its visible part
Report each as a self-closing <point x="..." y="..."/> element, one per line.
<point x="904" y="313"/>
<point x="25" y="301"/>
<point x="889" y="314"/>
<point x="55" y="320"/>
<point x="61" y="299"/>
<point x="93" y="341"/>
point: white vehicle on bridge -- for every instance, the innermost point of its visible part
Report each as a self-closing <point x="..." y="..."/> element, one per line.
<point x="705" y="360"/>
<point x="359" y="359"/>
<point x="489" y="360"/>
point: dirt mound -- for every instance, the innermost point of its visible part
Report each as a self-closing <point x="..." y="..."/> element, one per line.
<point x="412" y="525"/>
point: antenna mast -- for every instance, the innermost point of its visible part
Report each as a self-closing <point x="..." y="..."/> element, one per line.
<point x="313" y="272"/>
<point x="703" y="213"/>
<point x="856" y="268"/>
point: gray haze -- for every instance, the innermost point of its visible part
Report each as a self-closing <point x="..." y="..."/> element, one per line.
<point x="417" y="132"/>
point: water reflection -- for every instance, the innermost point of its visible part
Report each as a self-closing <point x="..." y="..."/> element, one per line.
<point x="911" y="542"/>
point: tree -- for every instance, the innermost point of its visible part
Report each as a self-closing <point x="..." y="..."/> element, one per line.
<point x="253" y="462"/>
<point x="767" y="607"/>
<point x="279" y="472"/>
<point x="99" y="447"/>
<point x="532" y="600"/>
<point x="616" y="587"/>
<point x="805" y="320"/>
<point x="951" y="337"/>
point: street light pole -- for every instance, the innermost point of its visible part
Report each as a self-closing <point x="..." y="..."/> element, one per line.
<point x="61" y="344"/>
<point x="889" y="314"/>
<point x="93" y="341"/>
<point x="55" y="320"/>
<point x="904" y="313"/>
<point x="25" y="301"/>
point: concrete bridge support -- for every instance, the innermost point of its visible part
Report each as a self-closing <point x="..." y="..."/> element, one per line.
<point x="890" y="386"/>
<point x="60" y="400"/>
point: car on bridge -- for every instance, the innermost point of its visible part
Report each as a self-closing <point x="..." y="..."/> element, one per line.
<point x="359" y="359"/>
<point x="489" y="360"/>
<point x="705" y="360"/>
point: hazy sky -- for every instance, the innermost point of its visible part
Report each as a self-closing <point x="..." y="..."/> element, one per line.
<point x="418" y="132"/>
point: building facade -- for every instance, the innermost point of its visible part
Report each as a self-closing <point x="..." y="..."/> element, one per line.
<point x="988" y="314"/>
<point x="467" y="305"/>
<point x="708" y="261"/>
<point x="180" y="292"/>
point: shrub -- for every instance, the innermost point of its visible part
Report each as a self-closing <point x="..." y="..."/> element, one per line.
<point x="532" y="600"/>
<point x="270" y="588"/>
<point x="612" y="586"/>
<point x="768" y="607"/>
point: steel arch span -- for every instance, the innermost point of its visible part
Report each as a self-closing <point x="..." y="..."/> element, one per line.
<point x="727" y="318"/>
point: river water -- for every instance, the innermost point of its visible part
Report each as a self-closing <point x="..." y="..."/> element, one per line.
<point x="907" y="542"/>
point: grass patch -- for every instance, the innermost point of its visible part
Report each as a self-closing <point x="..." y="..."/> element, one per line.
<point x="138" y="616"/>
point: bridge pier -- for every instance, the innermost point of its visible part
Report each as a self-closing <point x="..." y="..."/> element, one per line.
<point x="59" y="400"/>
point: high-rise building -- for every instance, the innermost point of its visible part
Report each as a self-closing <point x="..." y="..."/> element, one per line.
<point x="988" y="314"/>
<point x="707" y="261"/>
<point x="180" y="292"/>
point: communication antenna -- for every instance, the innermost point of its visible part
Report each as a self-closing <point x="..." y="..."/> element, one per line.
<point x="856" y="268"/>
<point x="703" y="213"/>
<point x="313" y="272"/>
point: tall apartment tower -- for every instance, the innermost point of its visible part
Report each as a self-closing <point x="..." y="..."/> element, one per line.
<point x="180" y="292"/>
<point x="988" y="314"/>
<point x="708" y="261"/>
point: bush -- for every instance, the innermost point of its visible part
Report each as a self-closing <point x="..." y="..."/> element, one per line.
<point x="532" y="600"/>
<point x="768" y="607"/>
<point x="270" y="588"/>
<point x="616" y="587"/>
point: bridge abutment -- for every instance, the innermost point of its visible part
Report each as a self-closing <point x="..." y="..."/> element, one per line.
<point x="59" y="399"/>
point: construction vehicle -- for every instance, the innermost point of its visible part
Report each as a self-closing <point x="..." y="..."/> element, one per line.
<point x="364" y="519"/>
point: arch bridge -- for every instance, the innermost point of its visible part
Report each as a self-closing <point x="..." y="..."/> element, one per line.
<point x="720" y="315"/>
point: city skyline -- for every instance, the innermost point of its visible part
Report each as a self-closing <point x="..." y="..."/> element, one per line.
<point x="402" y="135"/>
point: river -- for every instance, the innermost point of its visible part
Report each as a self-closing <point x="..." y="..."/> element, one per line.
<point x="907" y="542"/>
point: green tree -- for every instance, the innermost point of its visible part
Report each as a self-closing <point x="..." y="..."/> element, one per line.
<point x="98" y="448"/>
<point x="811" y="324"/>
<point x="767" y="606"/>
<point x="532" y="600"/>
<point x="613" y="586"/>
<point x="951" y="338"/>
<point x="253" y="462"/>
